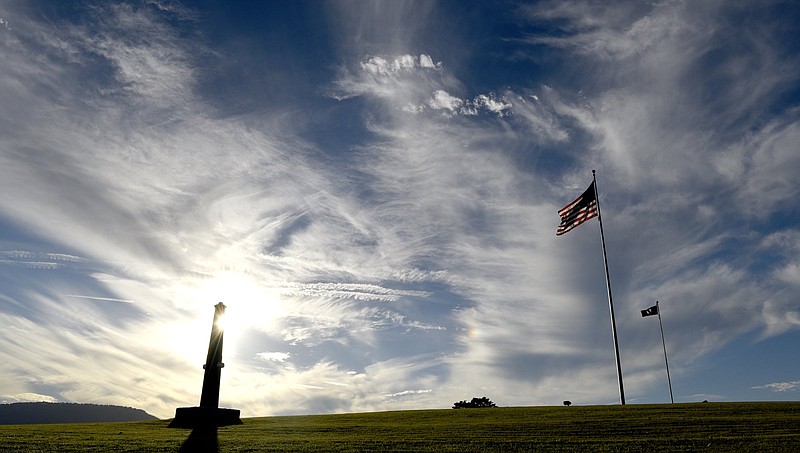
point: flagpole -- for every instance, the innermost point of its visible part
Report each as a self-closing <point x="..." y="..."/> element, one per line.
<point x="608" y="287"/>
<point x="664" y="344"/>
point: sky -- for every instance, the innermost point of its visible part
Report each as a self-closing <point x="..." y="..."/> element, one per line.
<point x="372" y="188"/>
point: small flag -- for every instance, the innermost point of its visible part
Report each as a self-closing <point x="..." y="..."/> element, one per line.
<point x="650" y="311"/>
<point x="579" y="211"/>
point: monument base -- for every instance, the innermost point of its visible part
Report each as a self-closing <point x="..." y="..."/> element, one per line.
<point x="198" y="417"/>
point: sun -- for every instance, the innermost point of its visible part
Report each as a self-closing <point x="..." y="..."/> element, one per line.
<point x="220" y="322"/>
<point x="249" y="305"/>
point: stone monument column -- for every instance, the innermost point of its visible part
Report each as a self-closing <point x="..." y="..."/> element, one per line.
<point x="209" y="414"/>
<point x="209" y="398"/>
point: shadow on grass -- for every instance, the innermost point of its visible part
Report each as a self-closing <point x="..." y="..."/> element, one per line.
<point x="201" y="439"/>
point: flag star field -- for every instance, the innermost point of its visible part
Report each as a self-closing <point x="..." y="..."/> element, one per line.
<point x="372" y="188"/>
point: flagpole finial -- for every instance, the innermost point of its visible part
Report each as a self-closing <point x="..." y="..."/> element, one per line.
<point x="593" y="172"/>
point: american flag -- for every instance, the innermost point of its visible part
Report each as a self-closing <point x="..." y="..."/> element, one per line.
<point x="579" y="211"/>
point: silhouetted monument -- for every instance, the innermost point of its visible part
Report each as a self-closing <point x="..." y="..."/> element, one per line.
<point x="209" y="413"/>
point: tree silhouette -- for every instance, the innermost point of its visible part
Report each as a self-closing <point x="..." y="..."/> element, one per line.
<point x="475" y="402"/>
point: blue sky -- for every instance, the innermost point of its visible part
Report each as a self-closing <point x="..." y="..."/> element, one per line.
<point x="372" y="189"/>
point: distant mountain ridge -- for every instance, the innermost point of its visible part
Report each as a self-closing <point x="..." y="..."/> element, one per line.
<point x="28" y="413"/>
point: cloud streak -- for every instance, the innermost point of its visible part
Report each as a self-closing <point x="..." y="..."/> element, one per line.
<point x="780" y="386"/>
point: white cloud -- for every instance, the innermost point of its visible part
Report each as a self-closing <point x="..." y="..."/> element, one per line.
<point x="426" y="61"/>
<point x="408" y="392"/>
<point x="380" y="66"/>
<point x="273" y="356"/>
<point x="404" y="62"/>
<point x="402" y="81"/>
<point x="789" y="386"/>
<point x="441" y="100"/>
<point x="376" y="66"/>
<point x="27" y="397"/>
<point x="493" y="103"/>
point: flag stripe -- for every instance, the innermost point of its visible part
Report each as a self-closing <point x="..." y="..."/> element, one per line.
<point x="569" y="223"/>
<point x="579" y="211"/>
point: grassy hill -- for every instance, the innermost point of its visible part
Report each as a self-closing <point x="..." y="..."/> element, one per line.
<point x="679" y="427"/>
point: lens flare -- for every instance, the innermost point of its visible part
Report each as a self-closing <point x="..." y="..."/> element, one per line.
<point x="220" y="323"/>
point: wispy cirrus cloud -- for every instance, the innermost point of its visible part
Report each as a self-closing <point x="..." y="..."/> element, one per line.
<point x="356" y="291"/>
<point x="38" y="260"/>
<point x="26" y="398"/>
<point x="788" y="386"/>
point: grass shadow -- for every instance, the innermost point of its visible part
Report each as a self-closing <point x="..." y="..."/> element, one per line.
<point x="201" y="439"/>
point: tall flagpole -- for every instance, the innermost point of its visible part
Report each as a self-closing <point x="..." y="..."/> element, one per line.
<point x="608" y="287"/>
<point x="664" y="344"/>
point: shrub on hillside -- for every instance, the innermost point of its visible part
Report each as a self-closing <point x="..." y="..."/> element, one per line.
<point x="475" y="402"/>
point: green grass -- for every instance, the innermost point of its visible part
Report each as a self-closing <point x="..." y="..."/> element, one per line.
<point x="679" y="427"/>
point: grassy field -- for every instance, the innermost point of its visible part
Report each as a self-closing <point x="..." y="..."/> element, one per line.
<point x="680" y="427"/>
